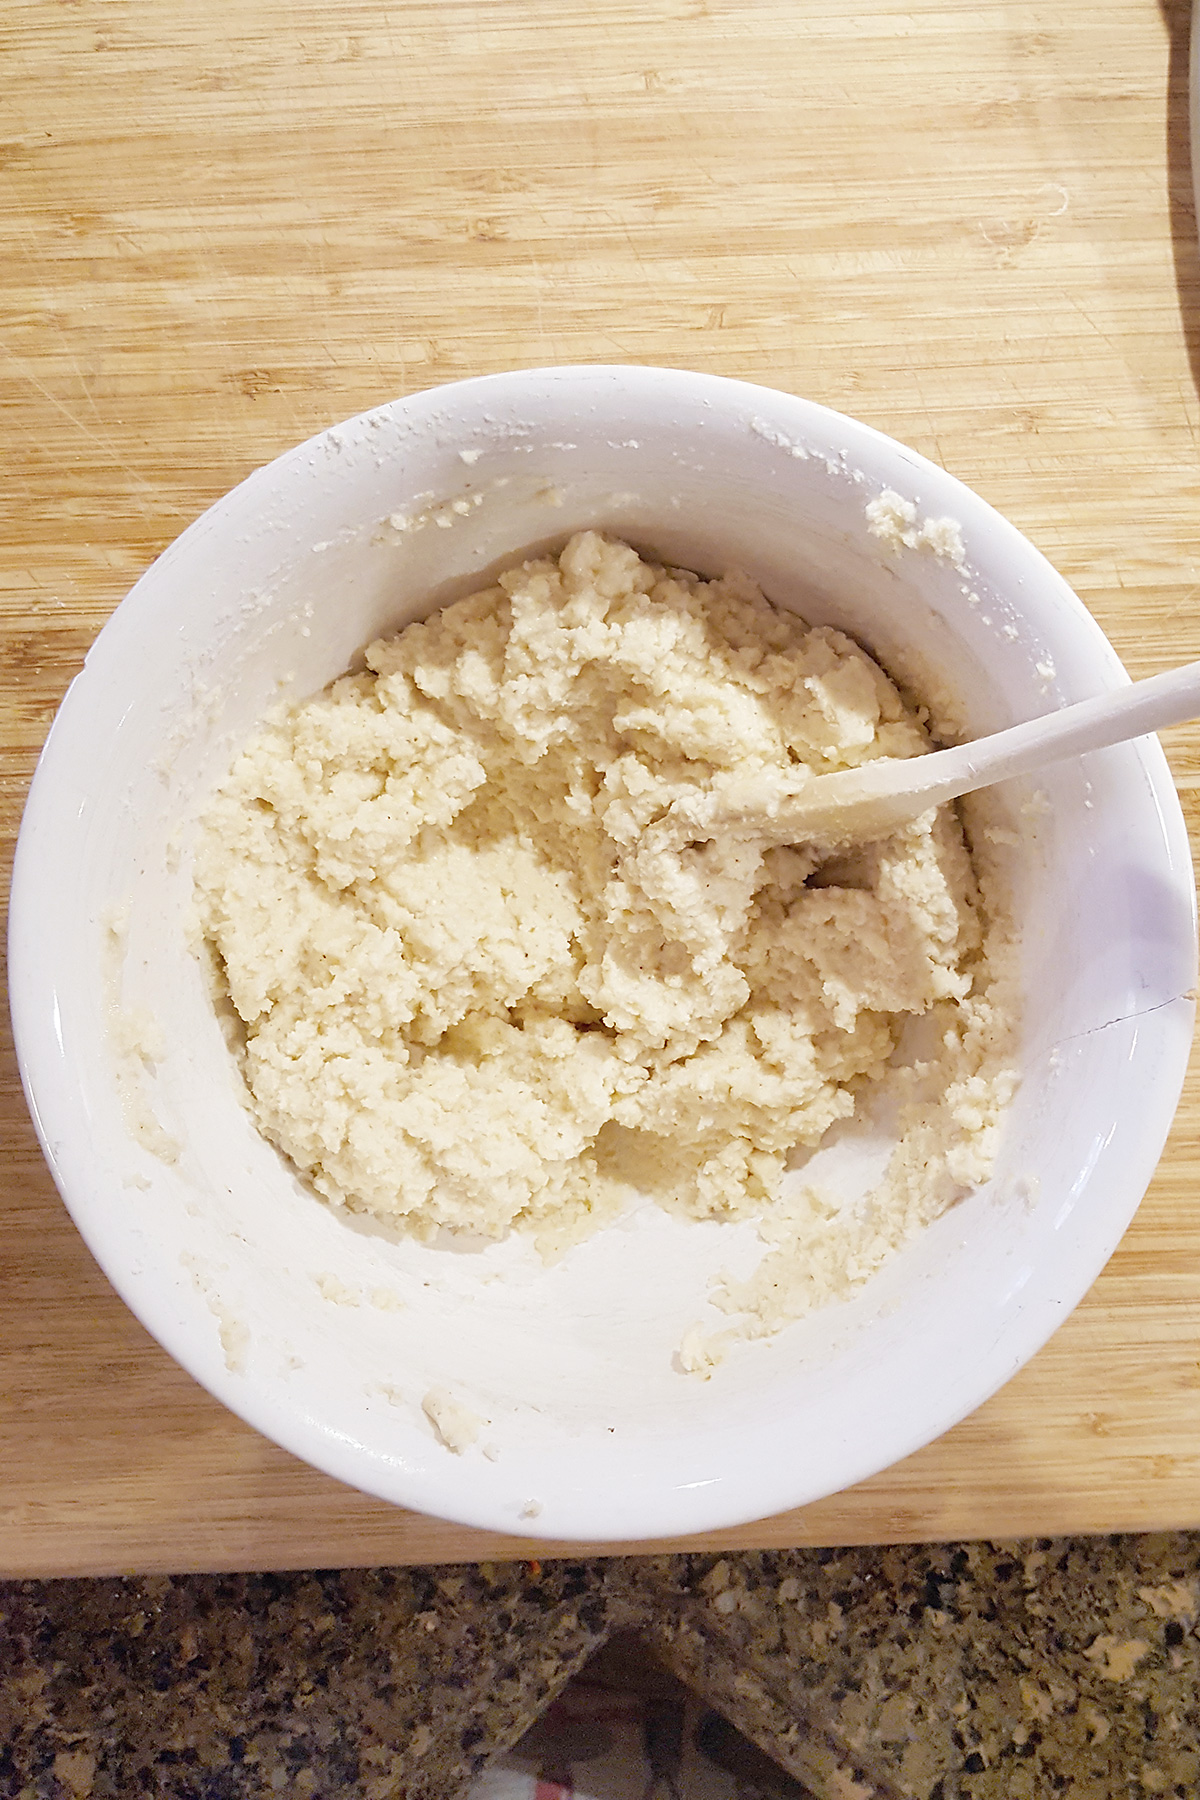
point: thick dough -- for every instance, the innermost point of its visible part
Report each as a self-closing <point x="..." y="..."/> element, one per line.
<point x="470" y="1001"/>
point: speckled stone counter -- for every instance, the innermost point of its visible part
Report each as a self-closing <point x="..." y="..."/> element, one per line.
<point x="971" y="1672"/>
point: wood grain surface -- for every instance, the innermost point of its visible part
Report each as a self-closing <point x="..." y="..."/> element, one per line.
<point x="223" y="228"/>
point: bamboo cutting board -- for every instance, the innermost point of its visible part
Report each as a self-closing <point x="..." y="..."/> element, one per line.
<point x="222" y="229"/>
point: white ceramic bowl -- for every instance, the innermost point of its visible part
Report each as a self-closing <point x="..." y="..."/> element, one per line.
<point x="245" y="1277"/>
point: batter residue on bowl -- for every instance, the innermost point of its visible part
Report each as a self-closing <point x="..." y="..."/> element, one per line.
<point x="473" y="997"/>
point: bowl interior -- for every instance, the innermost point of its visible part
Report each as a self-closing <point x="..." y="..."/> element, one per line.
<point x="326" y="1333"/>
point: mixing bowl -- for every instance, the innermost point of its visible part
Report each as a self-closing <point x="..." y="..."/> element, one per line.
<point x="325" y="1332"/>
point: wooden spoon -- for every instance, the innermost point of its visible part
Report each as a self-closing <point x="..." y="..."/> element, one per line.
<point x="858" y="805"/>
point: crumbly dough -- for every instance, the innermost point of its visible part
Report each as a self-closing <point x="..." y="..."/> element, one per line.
<point x="895" y="520"/>
<point x="478" y="992"/>
<point x="454" y="1424"/>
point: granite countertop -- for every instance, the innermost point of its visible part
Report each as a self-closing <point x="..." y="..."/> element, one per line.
<point x="951" y="1672"/>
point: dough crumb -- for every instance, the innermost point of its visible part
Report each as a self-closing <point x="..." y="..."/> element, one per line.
<point x="137" y="1042"/>
<point x="334" y="1289"/>
<point x="700" y="1355"/>
<point x="443" y="515"/>
<point x="771" y="435"/>
<point x="895" y="520"/>
<point x="235" y="1342"/>
<point x="137" y="1033"/>
<point x="456" y="1426"/>
<point x="233" y="1333"/>
<point x="141" y="1121"/>
<point x="386" y="1300"/>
